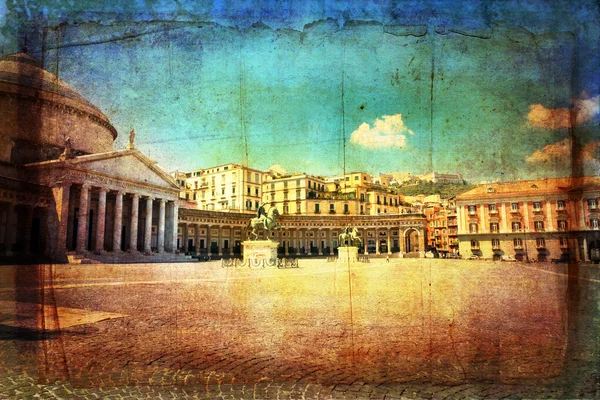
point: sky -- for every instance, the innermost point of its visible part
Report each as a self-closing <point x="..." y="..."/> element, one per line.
<point x="494" y="90"/>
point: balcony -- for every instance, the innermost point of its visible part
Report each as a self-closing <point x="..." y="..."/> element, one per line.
<point x="472" y="212"/>
<point x="518" y="247"/>
<point x="495" y="247"/>
<point x="493" y="212"/>
<point x="540" y="245"/>
<point x="331" y="211"/>
<point x="564" y="245"/>
<point x="474" y="246"/>
<point x="514" y="211"/>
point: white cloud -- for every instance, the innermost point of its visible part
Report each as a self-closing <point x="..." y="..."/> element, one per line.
<point x="560" y="118"/>
<point x="385" y="132"/>
<point x="561" y="152"/>
<point x="552" y="152"/>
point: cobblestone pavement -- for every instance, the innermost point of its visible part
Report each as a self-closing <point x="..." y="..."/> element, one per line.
<point x="422" y="329"/>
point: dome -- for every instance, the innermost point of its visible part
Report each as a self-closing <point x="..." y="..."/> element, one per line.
<point x="39" y="111"/>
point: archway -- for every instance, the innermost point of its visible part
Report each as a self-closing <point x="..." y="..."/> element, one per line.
<point x="411" y="240"/>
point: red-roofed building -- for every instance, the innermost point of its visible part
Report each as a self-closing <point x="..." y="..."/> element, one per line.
<point x="554" y="218"/>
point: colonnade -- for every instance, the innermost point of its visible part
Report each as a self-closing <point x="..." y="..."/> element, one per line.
<point x="297" y="240"/>
<point x="74" y="217"/>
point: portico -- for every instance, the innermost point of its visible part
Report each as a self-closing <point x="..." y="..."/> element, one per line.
<point x="110" y="203"/>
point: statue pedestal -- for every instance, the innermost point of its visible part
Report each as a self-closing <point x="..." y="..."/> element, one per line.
<point x="260" y="250"/>
<point x="347" y="254"/>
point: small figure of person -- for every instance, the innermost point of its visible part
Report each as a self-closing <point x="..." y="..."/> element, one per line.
<point x="387" y="258"/>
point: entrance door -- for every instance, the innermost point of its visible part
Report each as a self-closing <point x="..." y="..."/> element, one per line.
<point x="75" y="228"/>
<point x="123" y="236"/>
<point x="383" y="246"/>
<point x="90" y="230"/>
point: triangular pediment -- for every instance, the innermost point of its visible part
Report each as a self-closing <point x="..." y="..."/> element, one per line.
<point x="128" y="165"/>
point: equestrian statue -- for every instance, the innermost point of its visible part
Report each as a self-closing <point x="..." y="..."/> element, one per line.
<point x="264" y="219"/>
<point x="349" y="237"/>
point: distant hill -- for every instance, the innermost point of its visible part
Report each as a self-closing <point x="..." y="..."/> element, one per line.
<point x="445" y="190"/>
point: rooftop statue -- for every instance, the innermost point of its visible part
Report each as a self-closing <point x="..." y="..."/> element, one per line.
<point x="68" y="152"/>
<point x="266" y="220"/>
<point x="131" y="139"/>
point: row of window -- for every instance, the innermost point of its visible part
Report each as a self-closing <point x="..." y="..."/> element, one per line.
<point x="538" y="226"/>
<point x="518" y="243"/>
<point x="311" y="185"/>
<point x="537" y="206"/>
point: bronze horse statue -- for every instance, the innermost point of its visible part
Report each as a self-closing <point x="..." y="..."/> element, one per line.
<point x="268" y="221"/>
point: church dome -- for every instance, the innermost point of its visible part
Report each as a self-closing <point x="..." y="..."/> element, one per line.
<point x="38" y="111"/>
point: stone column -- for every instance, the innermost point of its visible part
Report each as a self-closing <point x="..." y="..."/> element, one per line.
<point x="584" y="256"/>
<point x="581" y="214"/>
<point x="197" y="238"/>
<point x="133" y="235"/>
<point x="389" y="249"/>
<point x="220" y="240"/>
<point x="365" y="242"/>
<point x="184" y="237"/>
<point x="208" y="240"/>
<point x="330" y="241"/>
<point x="148" y="226"/>
<point x="160" y="239"/>
<point x="402" y="240"/>
<point x="175" y="218"/>
<point x="376" y="241"/>
<point x="319" y="240"/>
<point x="118" y="223"/>
<point x="82" y="218"/>
<point x="421" y="240"/>
<point x="101" y="220"/>
<point x="28" y="226"/>
<point x="287" y="246"/>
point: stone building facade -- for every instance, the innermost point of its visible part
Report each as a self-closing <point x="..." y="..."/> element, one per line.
<point x="532" y="220"/>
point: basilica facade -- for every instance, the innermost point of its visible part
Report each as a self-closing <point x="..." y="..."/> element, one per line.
<point x="64" y="189"/>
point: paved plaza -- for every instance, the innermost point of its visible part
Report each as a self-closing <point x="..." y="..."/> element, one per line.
<point x="408" y="328"/>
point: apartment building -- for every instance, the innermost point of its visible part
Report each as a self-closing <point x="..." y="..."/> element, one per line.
<point x="229" y="187"/>
<point x="531" y="220"/>
<point x="294" y="194"/>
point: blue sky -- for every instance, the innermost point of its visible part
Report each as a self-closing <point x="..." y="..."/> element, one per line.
<point x="481" y="89"/>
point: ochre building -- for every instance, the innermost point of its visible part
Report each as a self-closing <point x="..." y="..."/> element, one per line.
<point x="540" y="220"/>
